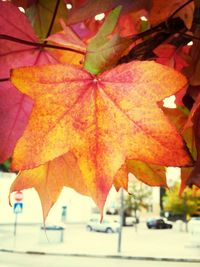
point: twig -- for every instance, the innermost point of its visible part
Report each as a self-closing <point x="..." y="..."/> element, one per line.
<point x="168" y="25"/>
<point x="161" y="26"/>
<point x="154" y="29"/>
<point x="190" y="36"/>
<point x="178" y="9"/>
<point x="162" y="32"/>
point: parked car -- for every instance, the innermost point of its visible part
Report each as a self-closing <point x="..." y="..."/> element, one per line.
<point x="158" y="223"/>
<point x="107" y="226"/>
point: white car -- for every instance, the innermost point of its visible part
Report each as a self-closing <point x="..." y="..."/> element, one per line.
<point x="107" y="226"/>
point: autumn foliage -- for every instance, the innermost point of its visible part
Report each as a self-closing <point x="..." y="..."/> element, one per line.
<point x="81" y="99"/>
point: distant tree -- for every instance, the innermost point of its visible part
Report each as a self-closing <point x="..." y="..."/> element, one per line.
<point x="186" y="204"/>
<point x="137" y="199"/>
<point x="5" y="166"/>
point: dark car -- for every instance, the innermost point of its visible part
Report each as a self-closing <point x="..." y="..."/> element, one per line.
<point x="158" y="224"/>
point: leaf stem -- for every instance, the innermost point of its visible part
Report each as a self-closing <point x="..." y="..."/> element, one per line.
<point x="29" y="43"/>
<point x="19" y="40"/>
<point x="4" y="79"/>
<point x="53" y="19"/>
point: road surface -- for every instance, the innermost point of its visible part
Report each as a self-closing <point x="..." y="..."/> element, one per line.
<point x="143" y="243"/>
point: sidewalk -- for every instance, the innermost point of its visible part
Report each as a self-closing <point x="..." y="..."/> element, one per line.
<point x="145" y="243"/>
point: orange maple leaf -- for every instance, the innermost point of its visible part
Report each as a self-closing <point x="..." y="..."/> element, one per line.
<point x="150" y="174"/>
<point x="121" y="178"/>
<point x="104" y="119"/>
<point x="50" y="178"/>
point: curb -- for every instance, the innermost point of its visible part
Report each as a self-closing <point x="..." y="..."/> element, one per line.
<point x="141" y="258"/>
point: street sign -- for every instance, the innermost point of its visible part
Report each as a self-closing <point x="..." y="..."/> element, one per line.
<point x="18" y="196"/>
<point x="18" y="207"/>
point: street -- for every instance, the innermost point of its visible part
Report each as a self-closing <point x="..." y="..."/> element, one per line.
<point x="24" y="260"/>
<point x="167" y="243"/>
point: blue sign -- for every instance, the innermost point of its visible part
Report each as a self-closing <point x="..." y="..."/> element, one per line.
<point x="18" y="207"/>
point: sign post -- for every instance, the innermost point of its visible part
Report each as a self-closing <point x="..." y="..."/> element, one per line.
<point x="63" y="220"/>
<point x="17" y="208"/>
<point x="121" y="220"/>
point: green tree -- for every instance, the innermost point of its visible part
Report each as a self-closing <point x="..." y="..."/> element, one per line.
<point x="5" y="165"/>
<point x="187" y="204"/>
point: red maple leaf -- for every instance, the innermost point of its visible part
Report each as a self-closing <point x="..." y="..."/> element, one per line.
<point x="14" y="106"/>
